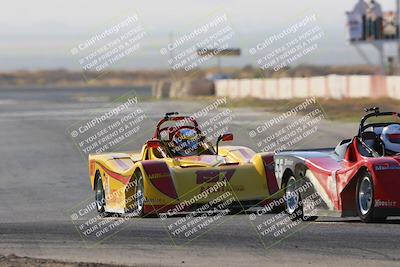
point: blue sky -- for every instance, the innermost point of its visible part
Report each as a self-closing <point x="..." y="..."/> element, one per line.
<point x="39" y="34"/>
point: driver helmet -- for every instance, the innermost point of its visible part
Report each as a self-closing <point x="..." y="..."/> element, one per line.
<point x="391" y="138"/>
<point x="186" y="141"/>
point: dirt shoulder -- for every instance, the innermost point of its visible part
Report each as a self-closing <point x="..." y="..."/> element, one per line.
<point x="16" y="261"/>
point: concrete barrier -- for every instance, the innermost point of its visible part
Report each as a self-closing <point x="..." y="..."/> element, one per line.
<point x="393" y="86"/>
<point x="185" y="88"/>
<point x="331" y="86"/>
<point x="318" y="87"/>
<point x="300" y="87"/>
<point x="360" y="86"/>
<point x="337" y="86"/>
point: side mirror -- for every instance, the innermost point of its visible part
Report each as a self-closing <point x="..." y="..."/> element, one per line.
<point x="153" y="143"/>
<point x="224" y="137"/>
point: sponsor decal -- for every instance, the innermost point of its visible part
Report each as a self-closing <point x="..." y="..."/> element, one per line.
<point x="159" y="175"/>
<point x="387" y="167"/>
<point x="213" y="176"/>
<point x="385" y="204"/>
<point x="235" y="188"/>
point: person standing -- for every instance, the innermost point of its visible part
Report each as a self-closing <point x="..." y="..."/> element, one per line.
<point x="375" y="16"/>
<point x="360" y="10"/>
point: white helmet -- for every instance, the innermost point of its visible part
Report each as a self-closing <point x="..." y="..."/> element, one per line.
<point x="391" y="138"/>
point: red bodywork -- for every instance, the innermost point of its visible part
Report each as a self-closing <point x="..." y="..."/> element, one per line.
<point x="385" y="172"/>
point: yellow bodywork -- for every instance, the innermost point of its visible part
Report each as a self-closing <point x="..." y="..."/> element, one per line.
<point x="243" y="174"/>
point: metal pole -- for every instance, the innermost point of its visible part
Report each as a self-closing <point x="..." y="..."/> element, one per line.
<point x="363" y="55"/>
<point x="379" y="46"/>
<point x="382" y="59"/>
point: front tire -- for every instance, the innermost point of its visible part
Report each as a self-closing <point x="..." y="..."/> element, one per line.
<point x="100" y="197"/>
<point x="365" y="199"/>
<point x="293" y="203"/>
<point x="139" y="195"/>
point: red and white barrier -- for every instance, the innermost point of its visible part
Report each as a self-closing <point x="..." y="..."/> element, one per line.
<point x="393" y="86"/>
<point x="331" y="86"/>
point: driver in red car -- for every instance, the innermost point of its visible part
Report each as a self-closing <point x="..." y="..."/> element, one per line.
<point x="391" y="139"/>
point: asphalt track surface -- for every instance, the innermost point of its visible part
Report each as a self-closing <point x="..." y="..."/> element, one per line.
<point x="42" y="175"/>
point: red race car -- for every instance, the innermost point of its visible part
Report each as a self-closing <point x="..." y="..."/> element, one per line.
<point x="361" y="176"/>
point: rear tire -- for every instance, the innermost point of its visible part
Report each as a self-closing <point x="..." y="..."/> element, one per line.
<point x="293" y="203"/>
<point x="365" y="199"/>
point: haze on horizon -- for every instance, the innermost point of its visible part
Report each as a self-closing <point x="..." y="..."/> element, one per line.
<point x="40" y="34"/>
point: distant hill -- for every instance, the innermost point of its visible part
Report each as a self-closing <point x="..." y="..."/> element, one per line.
<point x="64" y="78"/>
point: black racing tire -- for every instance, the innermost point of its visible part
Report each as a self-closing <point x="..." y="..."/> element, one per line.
<point x="293" y="202"/>
<point x="139" y="195"/>
<point x="292" y="199"/>
<point x="237" y="211"/>
<point x="100" y="198"/>
<point x="365" y="199"/>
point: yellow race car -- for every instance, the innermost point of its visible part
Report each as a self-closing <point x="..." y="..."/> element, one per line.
<point x="178" y="170"/>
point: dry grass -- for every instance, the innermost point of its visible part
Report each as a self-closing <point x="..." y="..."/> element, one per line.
<point x="343" y="109"/>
